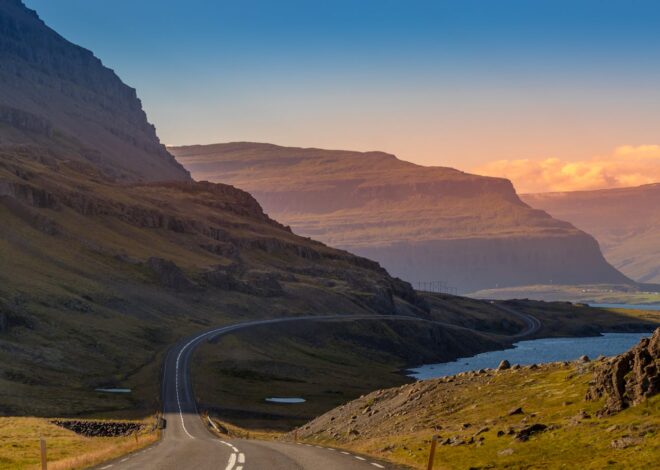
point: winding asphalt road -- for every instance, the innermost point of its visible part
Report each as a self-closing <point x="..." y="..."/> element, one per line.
<point x="187" y="442"/>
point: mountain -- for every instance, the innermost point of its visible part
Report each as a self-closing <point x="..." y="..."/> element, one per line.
<point x="55" y="94"/>
<point x="625" y="221"/>
<point x="424" y="224"/>
<point x="104" y="268"/>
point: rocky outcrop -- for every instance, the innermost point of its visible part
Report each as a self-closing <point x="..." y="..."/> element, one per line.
<point x="58" y="95"/>
<point x="423" y="224"/>
<point x="629" y="378"/>
<point x="169" y="274"/>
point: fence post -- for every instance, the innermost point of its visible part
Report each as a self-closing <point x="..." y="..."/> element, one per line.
<point x="434" y="442"/>
<point x="44" y="459"/>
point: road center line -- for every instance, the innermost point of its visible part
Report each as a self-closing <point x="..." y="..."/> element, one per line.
<point x="232" y="462"/>
<point x="377" y="465"/>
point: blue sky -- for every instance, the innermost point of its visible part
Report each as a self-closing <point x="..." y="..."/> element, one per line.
<point x="447" y="82"/>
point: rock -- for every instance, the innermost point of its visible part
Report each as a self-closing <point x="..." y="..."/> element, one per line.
<point x="625" y="442"/>
<point x="505" y="452"/>
<point x="169" y="274"/>
<point x="515" y="411"/>
<point x="504" y="365"/>
<point x="584" y="358"/>
<point x="582" y="415"/>
<point x="525" y="433"/>
<point x="481" y="431"/>
<point x="516" y="367"/>
<point x="629" y="378"/>
<point x="99" y="428"/>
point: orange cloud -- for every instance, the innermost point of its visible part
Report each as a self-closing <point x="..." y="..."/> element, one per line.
<point x="626" y="166"/>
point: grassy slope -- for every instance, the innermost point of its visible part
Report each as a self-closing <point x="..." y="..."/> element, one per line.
<point x="459" y="407"/>
<point x="19" y="445"/>
<point x="82" y="308"/>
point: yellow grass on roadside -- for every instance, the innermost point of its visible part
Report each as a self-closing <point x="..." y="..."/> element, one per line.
<point x="110" y="450"/>
<point x="19" y="445"/>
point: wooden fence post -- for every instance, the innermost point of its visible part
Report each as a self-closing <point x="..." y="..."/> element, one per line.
<point x="434" y="442"/>
<point x="44" y="458"/>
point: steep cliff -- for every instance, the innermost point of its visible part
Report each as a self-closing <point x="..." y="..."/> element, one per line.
<point x="56" y="94"/>
<point x="625" y="221"/>
<point x="424" y="224"/>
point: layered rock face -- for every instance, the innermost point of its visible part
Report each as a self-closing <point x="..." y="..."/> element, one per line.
<point x="56" y="94"/>
<point x="424" y="224"/>
<point x="629" y="378"/>
<point x="625" y="221"/>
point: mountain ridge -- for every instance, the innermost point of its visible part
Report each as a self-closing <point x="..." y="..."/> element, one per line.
<point x="422" y="223"/>
<point x="58" y="94"/>
<point x="625" y="221"/>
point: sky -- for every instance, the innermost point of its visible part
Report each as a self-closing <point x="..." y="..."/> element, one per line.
<point x="554" y="94"/>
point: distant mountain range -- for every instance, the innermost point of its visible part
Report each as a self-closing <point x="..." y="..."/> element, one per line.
<point x="625" y="221"/>
<point x="424" y="224"/>
<point x="60" y="95"/>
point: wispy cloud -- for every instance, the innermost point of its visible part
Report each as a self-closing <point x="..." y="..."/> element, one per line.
<point x="626" y="166"/>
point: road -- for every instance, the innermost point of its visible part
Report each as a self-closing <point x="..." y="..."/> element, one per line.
<point x="187" y="442"/>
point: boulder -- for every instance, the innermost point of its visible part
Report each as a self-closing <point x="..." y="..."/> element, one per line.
<point x="504" y="365"/>
<point x="525" y="433"/>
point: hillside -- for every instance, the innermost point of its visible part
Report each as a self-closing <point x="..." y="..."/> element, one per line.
<point x="56" y="94"/>
<point x="580" y="414"/>
<point x="422" y="223"/>
<point x="626" y="223"/>
<point x="102" y="270"/>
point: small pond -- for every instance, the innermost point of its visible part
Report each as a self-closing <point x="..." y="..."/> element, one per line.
<point x="535" y="351"/>
<point x="285" y="400"/>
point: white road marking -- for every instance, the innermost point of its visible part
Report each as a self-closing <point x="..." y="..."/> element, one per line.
<point x="241" y="458"/>
<point x="345" y="453"/>
<point x="107" y="466"/>
<point x="359" y="458"/>
<point x="239" y="468"/>
<point x="234" y="449"/>
<point x="232" y="462"/>
<point x="377" y="465"/>
<point x="124" y="460"/>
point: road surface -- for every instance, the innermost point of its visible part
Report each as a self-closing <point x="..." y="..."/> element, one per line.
<point x="187" y="442"/>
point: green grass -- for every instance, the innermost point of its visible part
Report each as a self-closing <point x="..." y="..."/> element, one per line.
<point x="604" y="294"/>
<point x="552" y="395"/>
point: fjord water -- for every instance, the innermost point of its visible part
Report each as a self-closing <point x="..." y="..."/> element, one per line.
<point x="653" y="307"/>
<point x="535" y="351"/>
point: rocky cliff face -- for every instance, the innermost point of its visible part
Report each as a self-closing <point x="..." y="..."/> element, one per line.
<point x="625" y="221"/>
<point x="629" y="378"/>
<point x="424" y="224"/>
<point x="56" y="94"/>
